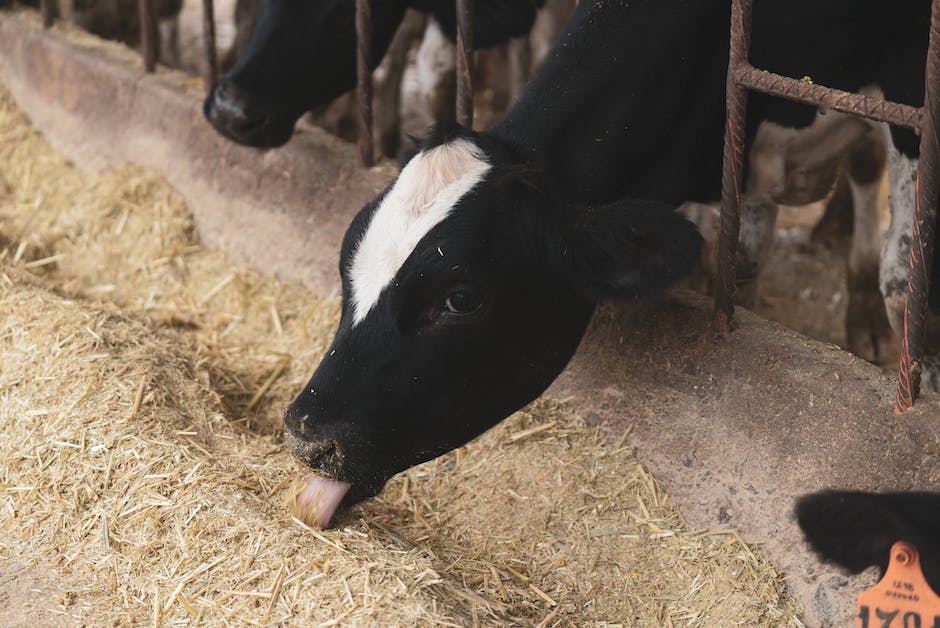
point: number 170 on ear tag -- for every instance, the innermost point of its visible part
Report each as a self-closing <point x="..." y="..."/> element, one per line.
<point x="902" y="598"/>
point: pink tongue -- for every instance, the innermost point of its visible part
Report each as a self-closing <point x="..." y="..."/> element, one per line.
<point x="318" y="500"/>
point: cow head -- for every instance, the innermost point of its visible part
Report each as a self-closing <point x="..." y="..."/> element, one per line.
<point x="467" y="286"/>
<point x="856" y="530"/>
<point x="302" y="54"/>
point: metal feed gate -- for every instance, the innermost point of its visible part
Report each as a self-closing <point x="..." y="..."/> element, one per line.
<point x="364" y="72"/>
<point x="742" y="77"/>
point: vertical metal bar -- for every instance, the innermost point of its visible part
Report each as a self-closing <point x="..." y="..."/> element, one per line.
<point x="732" y="168"/>
<point x="465" y="62"/>
<point x="925" y="215"/>
<point x="148" y="34"/>
<point x="208" y="40"/>
<point x="364" y="81"/>
<point x="46" y="10"/>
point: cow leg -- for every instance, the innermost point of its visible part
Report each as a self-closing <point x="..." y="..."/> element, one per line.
<point x="520" y="68"/>
<point x="170" y="42"/>
<point x="834" y="229"/>
<point x="549" y="22"/>
<point x="758" y="218"/>
<point x="868" y="332"/>
<point x="705" y="218"/>
<point x="437" y="74"/>
<point x="896" y="252"/>
<point x="758" y="209"/>
<point x="895" y="260"/>
<point x="895" y="264"/>
<point x="387" y="84"/>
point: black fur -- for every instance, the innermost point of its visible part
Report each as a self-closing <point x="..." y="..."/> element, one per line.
<point x="623" y="121"/>
<point x="856" y="530"/>
<point x="302" y="54"/>
<point x="631" y="101"/>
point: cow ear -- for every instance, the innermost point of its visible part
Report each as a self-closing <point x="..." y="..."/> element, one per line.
<point x="853" y="530"/>
<point x="628" y="249"/>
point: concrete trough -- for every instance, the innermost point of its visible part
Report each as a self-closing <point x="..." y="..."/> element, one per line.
<point x="737" y="429"/>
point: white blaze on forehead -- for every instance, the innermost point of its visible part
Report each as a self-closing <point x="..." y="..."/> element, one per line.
<point x="424" y="194"/>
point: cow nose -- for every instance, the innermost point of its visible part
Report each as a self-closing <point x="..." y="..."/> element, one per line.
<point x="298" y="420"/>
<point x="234" y="115"/>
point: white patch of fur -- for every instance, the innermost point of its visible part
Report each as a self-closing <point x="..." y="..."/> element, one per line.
<point x="896" y="253"/>
<point x="435" y="59"/>
<point x="424" y="194"/>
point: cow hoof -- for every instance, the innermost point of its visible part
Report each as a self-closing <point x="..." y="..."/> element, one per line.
<point x="930" y="375"/>
<point x="868" y="333"/>
<point x="745" y="284"/>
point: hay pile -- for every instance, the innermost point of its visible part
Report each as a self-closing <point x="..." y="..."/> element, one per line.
<point x="143" y="478"/>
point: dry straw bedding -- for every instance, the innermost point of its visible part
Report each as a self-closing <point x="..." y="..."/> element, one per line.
<point x="142" y="473"/>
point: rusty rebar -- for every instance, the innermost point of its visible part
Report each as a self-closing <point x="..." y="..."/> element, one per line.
<point x="208" y="41"/>
<point x="364" y="81"/>
<point x="465" y="62"/>
<point x="46" y="9"/>
<point x="817" y="95"/>
<point x="148" y="34"/>
<point x="925" y="216"/>
<point x="732" y="168"/>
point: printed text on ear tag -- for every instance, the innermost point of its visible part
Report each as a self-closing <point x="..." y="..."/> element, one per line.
<point x="902" y="598"/>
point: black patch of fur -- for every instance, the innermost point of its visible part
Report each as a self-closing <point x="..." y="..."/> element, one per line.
<point x="856" y="530"/>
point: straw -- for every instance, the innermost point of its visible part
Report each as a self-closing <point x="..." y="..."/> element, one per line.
<point x="142" y="381"/>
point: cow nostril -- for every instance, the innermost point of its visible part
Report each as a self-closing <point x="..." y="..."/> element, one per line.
<point x="324" y="456"/>
<point x="296" y="418"/>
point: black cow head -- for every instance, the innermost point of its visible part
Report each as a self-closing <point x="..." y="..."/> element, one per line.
<point x="467" y="286"/>
<point x="302" y="54"/>
<point x="856" y="530"/>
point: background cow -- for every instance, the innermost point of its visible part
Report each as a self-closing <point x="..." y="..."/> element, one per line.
<point x="786" y="165"/>
<point x="302" y="56"/>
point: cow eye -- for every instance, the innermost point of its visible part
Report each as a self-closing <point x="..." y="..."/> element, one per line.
<point x="462" y="302"/>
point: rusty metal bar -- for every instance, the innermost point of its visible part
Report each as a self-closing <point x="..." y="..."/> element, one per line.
<point x="732" y="168"/>
<point x="465" y="62"/>
<point x="925" y="121"/>
<point x="925" y="216"/>
<point x="208" y="40"/>
<point x="817" y="95"/>
<point x="364" y="81"/>
<point x="46" y="9"/>
<point x="148" y="34"/>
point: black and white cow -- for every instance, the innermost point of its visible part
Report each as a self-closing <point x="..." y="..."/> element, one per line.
<point x="302" y="54"/>
<point x="786" y="165"/>
<point x="856" y="530"/>
<point x="469" y="282"/>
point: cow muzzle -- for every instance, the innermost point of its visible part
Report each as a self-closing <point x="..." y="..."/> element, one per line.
<point x="243" y="118"/>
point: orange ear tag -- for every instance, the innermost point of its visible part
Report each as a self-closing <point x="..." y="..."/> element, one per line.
<point x="902" y="598"/>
